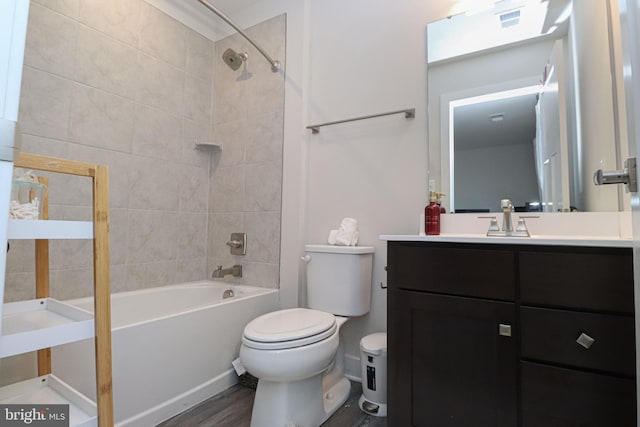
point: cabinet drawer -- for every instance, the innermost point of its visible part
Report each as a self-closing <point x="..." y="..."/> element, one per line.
<point x="460" y="270"/>
<point x="550" y="335"/>
<point x="557" y="397"/>
<point x="589" y="279"/>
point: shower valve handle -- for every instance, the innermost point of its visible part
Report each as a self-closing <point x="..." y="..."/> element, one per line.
<point x="234" y="243"/>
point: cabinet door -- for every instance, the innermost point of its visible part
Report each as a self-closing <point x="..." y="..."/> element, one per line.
<point x="448" y="363"/>
<point x="558" y="397"/>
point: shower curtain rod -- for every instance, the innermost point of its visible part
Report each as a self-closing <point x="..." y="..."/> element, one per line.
<point x="275" y="65"/>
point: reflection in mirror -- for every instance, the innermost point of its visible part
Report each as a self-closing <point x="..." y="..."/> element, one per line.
<point x="494" y="151"/>
<point x="527" y="111"/>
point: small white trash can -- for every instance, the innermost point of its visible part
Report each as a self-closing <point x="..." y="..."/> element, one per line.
<point x="373" y="354"/>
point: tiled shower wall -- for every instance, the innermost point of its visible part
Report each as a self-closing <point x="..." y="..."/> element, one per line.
<point x="120" y="83"/>
<point x="246" y="184"/>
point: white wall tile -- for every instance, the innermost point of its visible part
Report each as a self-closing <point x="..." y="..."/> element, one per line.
<point x="118" y="231"/>
<point x="263" y="187"/>
<point x="51" y="41"/>
<point x="192" y="132"/>
<point x="20" y="256"/>
<point x="189" y="270"/>
<point x="226" y="189"/>
<point x="233" y="136"/>
<point x="70" y="254"/>
<point x="101" y="119"/>
<point x="117" y="18"/>
<point x="74" y="283"/>
<point x="199" y="56"/>
<point x="192" y="235"/>
<point x="157" y="133"/>
<point x="194" y="189"/>
<point x="44" y="146"/>
<point x="163" y="37"/>
<point x="161" y="85"/>
<point x="19" y="287"/>
<point x="151" y="236"/>
<point x="66" y="7"/>
<point x="118" y="278"/>
<point x="45" y="102"/>
<point x="119" y="165"/>
<point x="198" y="93"/>
<point x="248" y="121"/>
<point x="105" y="63"/>
<point x="154" y="184"/>
<point x="139" y="91"/>
<point x="264" y="137"/>
<point x="149" y="275"/>
<point x="261" y="274"/>
<point x="264" y="229"/>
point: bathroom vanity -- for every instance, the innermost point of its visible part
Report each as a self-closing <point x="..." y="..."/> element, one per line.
<point x="510" y="334"/>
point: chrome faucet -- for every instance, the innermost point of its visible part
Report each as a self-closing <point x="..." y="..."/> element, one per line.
<point x="235" y="271"/>
<point x="507" y="209"/>
<point x="507" y="223"/>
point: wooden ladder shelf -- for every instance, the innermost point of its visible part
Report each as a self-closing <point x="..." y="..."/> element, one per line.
<point x="102" y="310"/>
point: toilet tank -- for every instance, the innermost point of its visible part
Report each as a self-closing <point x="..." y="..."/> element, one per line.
<point x="339" y="278"/>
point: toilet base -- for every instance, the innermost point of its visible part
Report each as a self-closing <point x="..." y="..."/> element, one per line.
<point x="297" y="404"/>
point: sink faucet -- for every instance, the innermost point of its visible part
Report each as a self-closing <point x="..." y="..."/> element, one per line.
<point x="507" y="208"/>
<point x="235" y="271"/>
<point x="507" y="223"/>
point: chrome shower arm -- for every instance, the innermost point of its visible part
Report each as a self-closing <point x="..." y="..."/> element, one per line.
<point x="275" y="65"/>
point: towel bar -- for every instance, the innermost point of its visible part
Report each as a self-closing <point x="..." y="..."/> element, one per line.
<point x="409" y="113"/>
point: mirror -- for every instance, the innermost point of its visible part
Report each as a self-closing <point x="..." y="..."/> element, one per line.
<point x="523" y="104"/>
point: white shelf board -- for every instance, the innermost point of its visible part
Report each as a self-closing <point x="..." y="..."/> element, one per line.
<point x="42" y="323"/>
<point x="49" y="229"/>
<point x="50" y="390"/>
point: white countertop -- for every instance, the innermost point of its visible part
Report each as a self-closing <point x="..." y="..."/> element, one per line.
<point x="600" y="241"/>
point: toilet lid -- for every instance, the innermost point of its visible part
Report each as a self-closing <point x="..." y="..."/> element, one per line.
<point x="289" y="328"/>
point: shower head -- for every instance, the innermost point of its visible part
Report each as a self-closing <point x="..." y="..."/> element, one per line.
<point x="234" y="59"/>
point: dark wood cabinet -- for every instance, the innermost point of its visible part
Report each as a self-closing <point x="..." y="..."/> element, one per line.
<point x="561" y="397"/>
<point x="485" y="335"/>
<point x="461" y="337"/>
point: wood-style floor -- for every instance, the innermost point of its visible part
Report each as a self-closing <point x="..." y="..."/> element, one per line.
<point x="232" y="408"/>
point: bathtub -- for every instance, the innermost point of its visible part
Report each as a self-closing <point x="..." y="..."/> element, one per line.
<point x="172" y="347"/>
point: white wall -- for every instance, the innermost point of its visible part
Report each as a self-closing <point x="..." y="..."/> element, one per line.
<point x="366" y="58"/>
<point x="478" y="186"/>
<point x="346" y="59"/>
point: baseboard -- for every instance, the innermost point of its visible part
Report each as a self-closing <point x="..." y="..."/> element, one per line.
<point x="182" y="402"/>
<point x="352" y="368"/>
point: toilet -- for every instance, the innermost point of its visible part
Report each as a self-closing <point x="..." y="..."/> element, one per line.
<point x="296" y="353"/>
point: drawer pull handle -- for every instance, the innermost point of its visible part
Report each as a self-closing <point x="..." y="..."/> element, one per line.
<point x="585" y="340"/>
<point x="504" y="330"/>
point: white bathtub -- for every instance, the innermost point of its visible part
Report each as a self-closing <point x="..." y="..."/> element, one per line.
<point x="172" y="347"/>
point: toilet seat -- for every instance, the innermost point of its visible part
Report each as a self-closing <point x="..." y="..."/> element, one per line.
<point x="289" y="328"/>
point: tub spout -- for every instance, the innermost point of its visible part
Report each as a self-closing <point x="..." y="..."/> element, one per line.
<point x="235" y="271"/>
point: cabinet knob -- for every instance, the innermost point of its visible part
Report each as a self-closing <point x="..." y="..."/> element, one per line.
<point x="585" y="340"/>
<point x="504" y="330"/>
